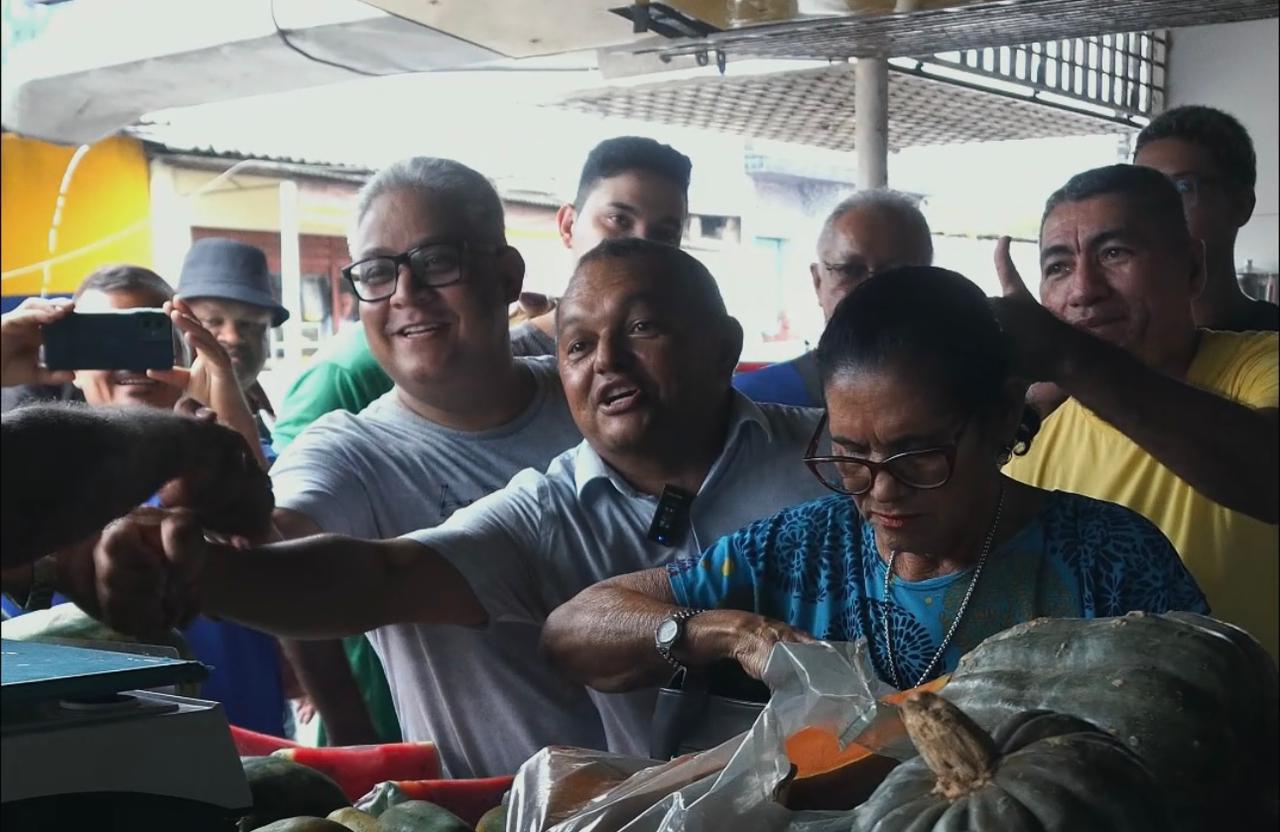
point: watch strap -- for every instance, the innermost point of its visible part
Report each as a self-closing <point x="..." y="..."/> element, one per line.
<point x="680" y="617"/>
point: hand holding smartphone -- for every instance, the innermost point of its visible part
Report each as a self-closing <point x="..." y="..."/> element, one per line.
<point x="122" y="339"/>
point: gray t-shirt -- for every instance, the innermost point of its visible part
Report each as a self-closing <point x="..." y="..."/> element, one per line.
<point x="545" y="537"/>
<point x="527" y="339"/>
<point x="484" y="696"/>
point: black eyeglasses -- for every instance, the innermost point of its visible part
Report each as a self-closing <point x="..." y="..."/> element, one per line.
<point x="924" y="469"/>
<point x="434" y="264"/>
<point x="853" y="271"/>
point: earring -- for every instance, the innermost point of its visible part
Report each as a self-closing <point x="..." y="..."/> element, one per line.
<point x="1006" y="454"/>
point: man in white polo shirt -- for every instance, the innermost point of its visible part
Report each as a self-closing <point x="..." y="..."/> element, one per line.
<point x="646" y="353"/>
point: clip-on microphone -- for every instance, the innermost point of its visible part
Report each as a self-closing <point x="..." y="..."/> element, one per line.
<point x="671" y="517"/>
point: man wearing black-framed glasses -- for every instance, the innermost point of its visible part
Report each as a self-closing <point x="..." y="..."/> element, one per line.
<point x="434" y="277"/>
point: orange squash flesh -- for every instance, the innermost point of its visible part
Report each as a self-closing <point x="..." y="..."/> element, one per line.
<point x="831" y="777"/>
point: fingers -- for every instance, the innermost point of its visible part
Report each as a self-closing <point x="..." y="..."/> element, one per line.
<point x="177" y="377"/>
<point x="1011" y="282"/>
<point x="180" y="304"/>
<point x="52" y="377"/>
<point x="201" y="340"/>
<point x="41" y="310"/>
<point x="183" y="545"/>
<point x="130" y="577"/>
<point x="801" y="637"/>
<point x="194" y="409"/>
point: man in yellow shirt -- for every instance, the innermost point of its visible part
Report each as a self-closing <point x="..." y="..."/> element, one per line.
<point x="1175" y="422"/>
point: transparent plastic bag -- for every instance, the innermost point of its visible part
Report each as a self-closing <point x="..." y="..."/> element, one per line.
<point x="827" y="685"/>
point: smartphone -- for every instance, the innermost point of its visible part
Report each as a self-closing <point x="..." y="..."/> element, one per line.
<point x="123" y="339"/>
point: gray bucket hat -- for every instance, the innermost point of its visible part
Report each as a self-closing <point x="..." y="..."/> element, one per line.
<point x="216" y="267"/>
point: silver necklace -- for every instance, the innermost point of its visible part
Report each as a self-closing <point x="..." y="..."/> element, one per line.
<point x="955" y="622"/>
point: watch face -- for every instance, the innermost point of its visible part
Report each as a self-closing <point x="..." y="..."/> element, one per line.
<point x="668" y="631"/>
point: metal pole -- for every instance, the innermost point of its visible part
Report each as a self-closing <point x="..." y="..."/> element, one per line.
<point x="291" y="272"/>
<point x="871" y="121"/>
<point x="871" y="114"/>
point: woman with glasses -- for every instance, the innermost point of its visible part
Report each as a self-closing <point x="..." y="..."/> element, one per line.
<point x="924" y="547"/>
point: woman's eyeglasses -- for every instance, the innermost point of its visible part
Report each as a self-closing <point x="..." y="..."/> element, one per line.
<point x="924" y="469"/>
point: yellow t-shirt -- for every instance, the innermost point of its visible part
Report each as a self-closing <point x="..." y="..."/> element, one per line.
<point x="1233" y="556"/>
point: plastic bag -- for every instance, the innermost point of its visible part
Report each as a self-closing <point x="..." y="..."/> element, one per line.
<point x="829" y="685"/>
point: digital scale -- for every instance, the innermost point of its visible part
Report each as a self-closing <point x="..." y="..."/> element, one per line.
<point x="84" y="745"/>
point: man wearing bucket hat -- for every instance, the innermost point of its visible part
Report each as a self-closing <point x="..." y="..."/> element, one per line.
<point x="228" y="287"/>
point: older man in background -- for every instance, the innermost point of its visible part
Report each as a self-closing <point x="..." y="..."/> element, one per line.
<point x="227" y="286"/>
<point x="869" y="232"/>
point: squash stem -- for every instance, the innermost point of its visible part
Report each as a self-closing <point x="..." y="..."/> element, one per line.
<point x="959" y="753"/>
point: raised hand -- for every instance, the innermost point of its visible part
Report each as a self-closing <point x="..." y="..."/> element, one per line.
<point x="20" y="340"/>
<point x="211" y="379"/>
<point x="1040" y="340"/>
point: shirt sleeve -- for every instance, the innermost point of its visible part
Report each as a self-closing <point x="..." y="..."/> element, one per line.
<point x="496" y="544"/>
<point x="725" y="576"/>
<point x="528" y="340"/>
<point x="323" y="387"/>
<point x="1138" y="569"/>
<point x="1257" y="377"/>
<point x="776" y="384"/>
<point x="314" y="477"/>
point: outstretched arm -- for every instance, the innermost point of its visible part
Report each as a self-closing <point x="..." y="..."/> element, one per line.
<point x="317" y="587"/>
<point x="604" y="636"/>
<point x="1226" y="450"/>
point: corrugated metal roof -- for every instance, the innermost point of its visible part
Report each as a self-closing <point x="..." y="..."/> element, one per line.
<point x="968" y="26"/>
<point x="816" y="107"/>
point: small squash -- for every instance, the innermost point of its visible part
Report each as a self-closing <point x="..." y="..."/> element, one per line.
<point x="1040" y="772"/>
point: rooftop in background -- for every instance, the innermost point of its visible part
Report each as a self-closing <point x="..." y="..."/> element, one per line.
<point x="816" y="107"/>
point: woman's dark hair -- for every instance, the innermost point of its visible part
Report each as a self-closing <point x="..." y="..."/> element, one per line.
<point x="931" y="322"/>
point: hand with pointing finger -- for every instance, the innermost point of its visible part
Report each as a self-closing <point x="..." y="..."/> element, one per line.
<point x="1042" y="344"/>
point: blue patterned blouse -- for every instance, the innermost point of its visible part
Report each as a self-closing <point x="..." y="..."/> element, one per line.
<point x="815" y="566"/>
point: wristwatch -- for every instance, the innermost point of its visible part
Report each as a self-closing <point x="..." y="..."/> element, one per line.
<point x="44" y="573"/>
<point x="669" y="633"/>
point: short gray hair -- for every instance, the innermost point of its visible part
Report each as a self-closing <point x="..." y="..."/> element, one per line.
<point x="900" y="206"/>
<point x="464" y="190"/>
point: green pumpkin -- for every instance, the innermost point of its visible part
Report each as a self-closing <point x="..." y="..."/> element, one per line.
<point x="1040" y="772"/>
<point x="1194" y="697"/>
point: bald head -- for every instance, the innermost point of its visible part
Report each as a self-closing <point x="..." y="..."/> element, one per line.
<point x="647" y="352"/>
<point x="671" y="272"/>
<point x="870" y="232"/>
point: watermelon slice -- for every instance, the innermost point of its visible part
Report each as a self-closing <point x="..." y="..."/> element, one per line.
<point x="358" y="768"/>
<point x="468" y="799"/>
<point x="252" y="744"/>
